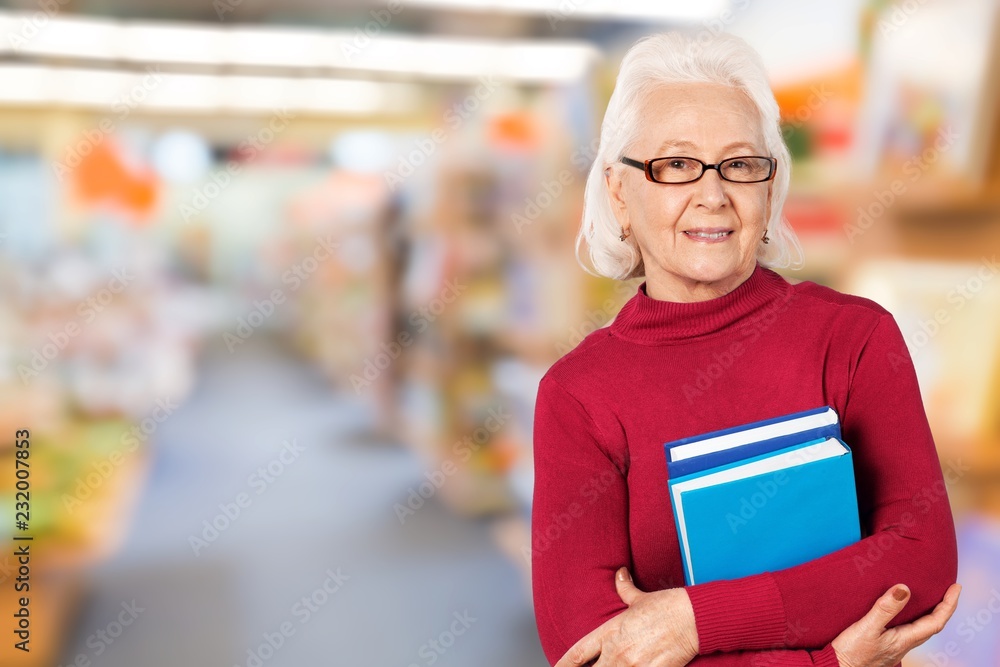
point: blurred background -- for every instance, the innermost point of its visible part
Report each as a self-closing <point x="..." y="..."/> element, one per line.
<point x="280" y="279"/>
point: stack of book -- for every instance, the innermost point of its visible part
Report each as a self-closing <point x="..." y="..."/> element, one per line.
<point x="763" y="496"/>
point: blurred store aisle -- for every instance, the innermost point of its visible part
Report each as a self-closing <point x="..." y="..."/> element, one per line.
<point x="283" y="581"/>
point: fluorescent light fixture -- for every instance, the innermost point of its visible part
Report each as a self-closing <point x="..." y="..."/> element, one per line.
<point x="97" y="87"/>
<point x="518" y="60"/>
<point x="192" y="92"/>
<point x="680" y="11"/>
<point x="360" y="97"/>
<point x="278" y="47"/>
<point x="540" y="61"/>
<point x="168" y="43"/>
<point x="62" y="37"/>
<point x="116" y="91"/>
<point x="24" y="85"/>
<point x="418" y="57"/>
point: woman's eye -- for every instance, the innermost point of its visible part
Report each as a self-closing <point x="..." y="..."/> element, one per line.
<point x="678" y="164"/>
<point x="739" y="164"/>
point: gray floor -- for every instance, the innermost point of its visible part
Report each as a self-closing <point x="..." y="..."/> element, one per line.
<point x="330" y="508"/>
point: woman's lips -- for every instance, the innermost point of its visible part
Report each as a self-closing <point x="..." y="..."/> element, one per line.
<point x="708" y="234"/>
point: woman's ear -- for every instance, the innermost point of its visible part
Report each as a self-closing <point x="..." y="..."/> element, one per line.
<point x="615" y="184"/>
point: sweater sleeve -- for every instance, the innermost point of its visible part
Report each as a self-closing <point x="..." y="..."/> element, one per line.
<point x="580" y="492"/>
<point x="908" y="532"/>
<point x="579" y="522"/>
<point x="824" y="657"/>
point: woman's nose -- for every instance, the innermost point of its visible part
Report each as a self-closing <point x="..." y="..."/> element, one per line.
<point x="711" y="189"/>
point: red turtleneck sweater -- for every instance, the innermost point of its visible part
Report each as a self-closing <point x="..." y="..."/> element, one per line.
<point x="664" y="370"/>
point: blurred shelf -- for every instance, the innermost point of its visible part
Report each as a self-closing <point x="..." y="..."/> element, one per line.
<point x="54" y="602"/>
<point x="471" y="494"/>
<point x="95" y="530"/>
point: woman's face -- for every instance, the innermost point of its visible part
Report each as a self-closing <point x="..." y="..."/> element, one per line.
<point x="672" y="223"/>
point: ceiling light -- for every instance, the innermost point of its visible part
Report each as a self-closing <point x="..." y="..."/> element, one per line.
<point x="680" y="11"/>
<point x="416" y="56"/>
<point x="119" y="93"/>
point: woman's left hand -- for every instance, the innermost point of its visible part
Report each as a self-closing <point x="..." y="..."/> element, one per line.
<point x="657" y="630"/>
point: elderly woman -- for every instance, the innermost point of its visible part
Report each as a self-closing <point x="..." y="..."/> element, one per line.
<point x="687" y="192"/>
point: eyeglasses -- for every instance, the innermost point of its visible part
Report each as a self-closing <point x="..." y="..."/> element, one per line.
<point x="676" y="170"/>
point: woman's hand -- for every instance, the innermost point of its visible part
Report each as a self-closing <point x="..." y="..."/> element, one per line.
<point x="868" y="644"/>
<point x="657" y="630"/>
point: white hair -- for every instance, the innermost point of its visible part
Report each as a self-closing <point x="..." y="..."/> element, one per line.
<point x="667" y="58"/>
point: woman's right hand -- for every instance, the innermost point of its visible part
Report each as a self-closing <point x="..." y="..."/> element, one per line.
<point x="868" y="644"/>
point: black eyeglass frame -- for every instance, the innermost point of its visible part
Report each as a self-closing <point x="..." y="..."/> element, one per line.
<point x="647" y="167"/>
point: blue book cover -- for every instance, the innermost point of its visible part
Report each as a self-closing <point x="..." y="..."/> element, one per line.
<point x="742" y="452"/>
<point x="766" y="513"/>
<point x="814" y="423"/>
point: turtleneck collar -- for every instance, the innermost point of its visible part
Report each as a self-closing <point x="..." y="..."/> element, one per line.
<point x="649" y="321"/>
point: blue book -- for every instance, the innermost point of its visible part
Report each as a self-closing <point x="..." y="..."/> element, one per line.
<point x="708" y="450"/>
<point x="776" y="507"/>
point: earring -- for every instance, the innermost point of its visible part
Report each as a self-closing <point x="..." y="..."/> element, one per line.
<point x="625" y="234"/>
<point x="765" y="239"/>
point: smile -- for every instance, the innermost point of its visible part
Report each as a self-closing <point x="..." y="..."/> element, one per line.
<point x="707" y="235"/>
